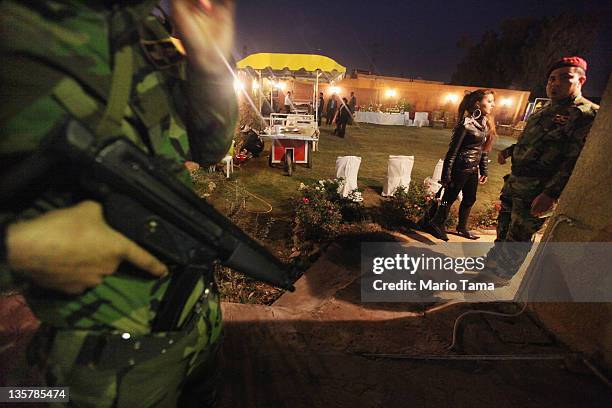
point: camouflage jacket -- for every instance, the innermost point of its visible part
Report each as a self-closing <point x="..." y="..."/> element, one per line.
<point x="58" y="61"/>
<point x="551" y="143"/>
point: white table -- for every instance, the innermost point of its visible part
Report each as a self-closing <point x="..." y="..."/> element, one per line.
<point x="382" y="118"/>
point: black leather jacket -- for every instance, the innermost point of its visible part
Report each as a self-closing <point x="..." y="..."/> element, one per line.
<point x="465" y="149"/>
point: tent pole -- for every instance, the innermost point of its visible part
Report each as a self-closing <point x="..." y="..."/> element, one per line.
<point x="260" y="89"/>
<point x="316" y="98"/>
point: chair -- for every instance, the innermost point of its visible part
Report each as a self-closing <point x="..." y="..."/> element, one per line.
<point x="399" y="171"/>
<point x="315" y="141"/>
<point x="407" y="120"/>
<point x="229" y="160"/>
<point x="518" y="129"/>
<point x="421" y="119"/>
<point x="229" y="165"/>
<point x="432" y="184"/>
<point x="437" y="119"/>
<point x="347" y="168"/>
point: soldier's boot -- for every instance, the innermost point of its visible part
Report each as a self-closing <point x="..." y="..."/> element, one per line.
<point x="464" y="215"/>
<point x="436" y="226"/>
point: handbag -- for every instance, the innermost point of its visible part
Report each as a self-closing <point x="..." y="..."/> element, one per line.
<point x="431" y="210"/>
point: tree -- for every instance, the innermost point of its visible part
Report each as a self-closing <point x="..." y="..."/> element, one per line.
<point x="518" y="56"/>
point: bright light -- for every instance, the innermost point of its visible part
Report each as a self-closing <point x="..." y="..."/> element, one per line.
<point x="390" y="93"/>
<point x="255" y="85"/>
<point x="505" y="102"/>
<point x="238" y="85"/>
<point x="451" y="98"/>
<point x="280" y="85"/>
<point x="333" y="90"/>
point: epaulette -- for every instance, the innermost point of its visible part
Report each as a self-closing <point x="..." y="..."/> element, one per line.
<point x="585" y="106"/>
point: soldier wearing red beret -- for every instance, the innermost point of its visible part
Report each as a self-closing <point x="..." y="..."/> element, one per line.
<point x="542" y="162"/>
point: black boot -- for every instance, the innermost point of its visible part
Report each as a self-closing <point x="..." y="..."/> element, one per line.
<point x="464" y="214"/>
<point x="436" y="226"/>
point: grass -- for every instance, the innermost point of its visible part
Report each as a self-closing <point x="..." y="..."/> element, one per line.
<point x="274" y="229"/>
<point x="374" y="144"/>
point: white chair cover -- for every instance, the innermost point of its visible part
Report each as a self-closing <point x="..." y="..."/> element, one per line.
<point x="421" y="119"/>
<point x="229" y="165"/>
<point x="399" y="171"/>
<point x="432" y="184"/>
<point x="347" y="168"/>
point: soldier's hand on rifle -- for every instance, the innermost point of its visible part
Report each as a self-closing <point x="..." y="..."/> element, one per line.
<point x="501" y="158"/>
<point x="206" y="29"/>
<point x="72" y="249"/>
<point x="541" y="204"/>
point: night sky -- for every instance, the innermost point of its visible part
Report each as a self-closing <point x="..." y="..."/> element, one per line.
<point x="406" y="38"/>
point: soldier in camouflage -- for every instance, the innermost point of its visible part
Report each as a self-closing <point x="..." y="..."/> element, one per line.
<point x="113" y="66"/>
<point x="542" y="162"/>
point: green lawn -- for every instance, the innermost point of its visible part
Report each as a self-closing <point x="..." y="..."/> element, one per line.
<point x="374" y="144"/>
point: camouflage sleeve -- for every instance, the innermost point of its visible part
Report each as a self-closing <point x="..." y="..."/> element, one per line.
<point x="28" y="109"/>
<point x="27" y="113"/>
<point x="571" y="152"/>
<point x="210" y="115"/>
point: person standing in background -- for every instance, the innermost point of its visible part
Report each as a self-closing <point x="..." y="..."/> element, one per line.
<point x="288" y="102"/>
<point x="320" y="103"/>
<point x="344" y="116"/>
<point x="332" y="106"/>
<point x="352" y="106"/>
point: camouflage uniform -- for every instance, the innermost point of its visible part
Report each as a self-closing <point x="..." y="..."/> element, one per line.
<point x="542" y="162"/>
<point x="115" y="69"/>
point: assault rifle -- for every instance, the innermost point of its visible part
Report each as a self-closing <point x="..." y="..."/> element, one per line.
<point x="144" y="200"/>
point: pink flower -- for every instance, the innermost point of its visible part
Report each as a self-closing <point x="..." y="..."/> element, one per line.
<point x="305" y="200"/>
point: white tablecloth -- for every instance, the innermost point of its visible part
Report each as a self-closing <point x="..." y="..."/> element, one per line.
<point x="381" y="118"/>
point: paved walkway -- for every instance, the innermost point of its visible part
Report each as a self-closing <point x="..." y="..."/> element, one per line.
<point x="313" y="348"/>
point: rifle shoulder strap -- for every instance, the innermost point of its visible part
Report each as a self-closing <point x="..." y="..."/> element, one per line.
<point x="121" y="87"/>
<point x="85" y="107"/>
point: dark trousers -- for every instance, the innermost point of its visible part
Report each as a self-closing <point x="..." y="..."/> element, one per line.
<point x="330" y="117"/>
<point x="340" y="128"/>
<point x="465" y="182"/>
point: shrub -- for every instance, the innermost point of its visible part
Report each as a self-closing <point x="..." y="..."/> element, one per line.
<point x="407" y="206"/>
<point x="488" y="217"/>
<point x="320" y="210"/>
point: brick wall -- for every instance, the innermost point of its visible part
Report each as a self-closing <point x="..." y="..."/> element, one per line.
<point x="423" y="96"/>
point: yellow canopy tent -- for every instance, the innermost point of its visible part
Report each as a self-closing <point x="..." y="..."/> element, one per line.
<point x="308" y="67"/>
<point x="293" y="62"/>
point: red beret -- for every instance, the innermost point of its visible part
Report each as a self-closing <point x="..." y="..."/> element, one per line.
<point x="568" y="62"/>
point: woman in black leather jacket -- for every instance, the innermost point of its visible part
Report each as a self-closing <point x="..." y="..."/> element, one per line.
<point x="467" y="156"/>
